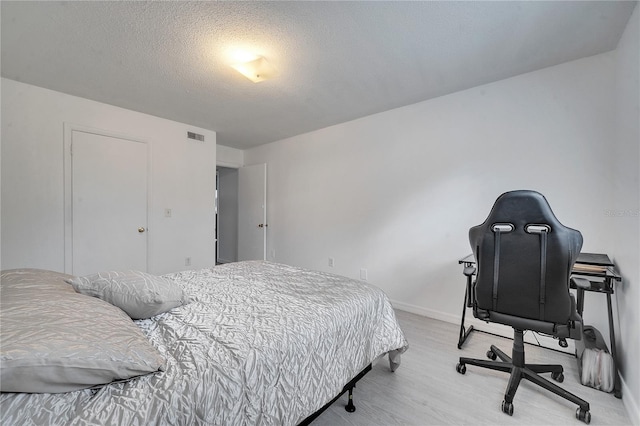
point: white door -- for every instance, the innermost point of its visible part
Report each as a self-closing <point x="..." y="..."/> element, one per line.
<point x="252" y="212"/>
<point x="109" y="203"/>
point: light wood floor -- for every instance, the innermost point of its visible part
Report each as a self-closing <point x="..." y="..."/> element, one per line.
<point x="427" y="390"/>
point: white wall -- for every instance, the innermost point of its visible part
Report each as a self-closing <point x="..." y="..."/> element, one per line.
<point x="183" y="179"/>
<point x="624" y="217"/>
<point x="229" y="157"/>
<point x="396" y="192"/>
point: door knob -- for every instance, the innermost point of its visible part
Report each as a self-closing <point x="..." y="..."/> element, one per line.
<point x="141" y="229"/>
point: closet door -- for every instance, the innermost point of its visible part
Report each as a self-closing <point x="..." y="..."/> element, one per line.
<point x="109" y="203"/>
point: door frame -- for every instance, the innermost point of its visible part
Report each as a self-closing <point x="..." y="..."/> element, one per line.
<point x="69" y="128"/>
<point x="226" y="165"/>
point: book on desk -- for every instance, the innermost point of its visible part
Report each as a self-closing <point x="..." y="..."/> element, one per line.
<point x="598" y="270"/>
<point x="592" y="263"/>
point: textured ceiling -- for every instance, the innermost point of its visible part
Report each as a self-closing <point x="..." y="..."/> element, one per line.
<point x="337" y="61"/>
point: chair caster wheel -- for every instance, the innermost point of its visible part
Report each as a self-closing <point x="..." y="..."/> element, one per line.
<point x="491" y="355"/>
<point x="461" y="368"/>
<point x="350" y="408"/>
<point x="583" y="415"/>
<point x="507" y="408"/>
<point x="558" y="377"/>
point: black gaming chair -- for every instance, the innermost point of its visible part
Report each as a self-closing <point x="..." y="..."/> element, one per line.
<point x="524" y="259"/>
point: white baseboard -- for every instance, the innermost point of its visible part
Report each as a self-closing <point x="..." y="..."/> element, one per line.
<point x="630" y="403"/>
<point x="430" y="313"/>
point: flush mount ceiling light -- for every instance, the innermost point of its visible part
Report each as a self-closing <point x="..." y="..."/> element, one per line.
<point x="256" y="69"/>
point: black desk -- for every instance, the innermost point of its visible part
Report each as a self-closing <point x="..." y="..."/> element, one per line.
<point x="597" y="268"/>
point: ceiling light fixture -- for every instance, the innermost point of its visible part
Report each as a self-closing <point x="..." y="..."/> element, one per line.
<point x="256" y="69"/>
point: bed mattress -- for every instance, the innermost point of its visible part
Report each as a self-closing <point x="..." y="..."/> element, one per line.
<point x="259" y="343"/>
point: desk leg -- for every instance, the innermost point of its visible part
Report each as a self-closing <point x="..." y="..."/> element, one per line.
<point x="616" y="387"/>
<point x="464" y="333"/>
<point x="580" y="301"/>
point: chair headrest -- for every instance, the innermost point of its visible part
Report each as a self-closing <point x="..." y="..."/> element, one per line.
<point x="523" y="208"/>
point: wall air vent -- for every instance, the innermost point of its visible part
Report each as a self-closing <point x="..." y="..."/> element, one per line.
<point x="195" y="136"/>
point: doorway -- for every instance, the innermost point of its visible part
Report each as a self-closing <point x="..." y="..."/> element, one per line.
<point x="226" y="214"/>
<point x="241" y="199"/>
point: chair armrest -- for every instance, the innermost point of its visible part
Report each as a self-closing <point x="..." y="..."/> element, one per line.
<point x="469" y="271"/>
<point x="575" y="331"/>
<point x="580" y="282"/>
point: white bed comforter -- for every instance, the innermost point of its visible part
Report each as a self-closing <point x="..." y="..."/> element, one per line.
<point x="261" y="343"/>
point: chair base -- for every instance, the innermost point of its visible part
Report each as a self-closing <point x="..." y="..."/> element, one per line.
<point x="519" y="370"/>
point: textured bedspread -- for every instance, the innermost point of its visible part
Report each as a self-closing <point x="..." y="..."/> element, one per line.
<point x="261" y="343"/>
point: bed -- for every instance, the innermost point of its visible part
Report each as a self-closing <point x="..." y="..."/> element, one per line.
<point x="243" y="343"/>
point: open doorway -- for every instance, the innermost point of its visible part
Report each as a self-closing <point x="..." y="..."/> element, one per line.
<point x="226" y="214"/>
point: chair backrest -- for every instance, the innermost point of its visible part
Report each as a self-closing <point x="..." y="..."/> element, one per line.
<point x="524" y="257"/>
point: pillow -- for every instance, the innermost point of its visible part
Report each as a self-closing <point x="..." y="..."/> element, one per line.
<point x="139" y="294"/>
<point x="55" y="340"/>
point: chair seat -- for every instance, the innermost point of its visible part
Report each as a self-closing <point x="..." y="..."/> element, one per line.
<point x="572" y="330"/>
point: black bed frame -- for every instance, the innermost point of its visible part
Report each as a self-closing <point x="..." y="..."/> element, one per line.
<point x="348" y="387"/>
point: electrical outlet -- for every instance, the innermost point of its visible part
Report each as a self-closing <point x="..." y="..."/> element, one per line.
<point x="363" y="274"/>
<point x="331" y="262"/>
<point x="187" y="261"/>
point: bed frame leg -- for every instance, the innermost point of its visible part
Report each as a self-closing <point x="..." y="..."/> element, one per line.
<point x="350" y="407"/>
